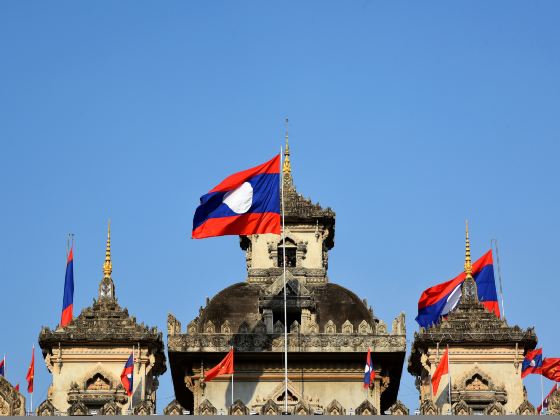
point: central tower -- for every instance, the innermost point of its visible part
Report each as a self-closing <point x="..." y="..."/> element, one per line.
<point x="329" y="330"/>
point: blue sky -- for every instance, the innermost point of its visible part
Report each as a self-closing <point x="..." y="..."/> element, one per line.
<point x="405" y="118"/>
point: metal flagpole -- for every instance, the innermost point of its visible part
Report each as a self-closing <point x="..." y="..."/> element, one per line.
<point x="499" y="276"/>
<point x="449" y="374"/>
<point x="132" y="390"/>
<point x="231" y="348"/>
<point x="284" y="277"/>
<point x="542" y="391"/>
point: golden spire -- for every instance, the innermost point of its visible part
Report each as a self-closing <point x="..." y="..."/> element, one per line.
<point x="108" y="265"/>
<point x="287" y="168"/>
<point x="468" y="265"/>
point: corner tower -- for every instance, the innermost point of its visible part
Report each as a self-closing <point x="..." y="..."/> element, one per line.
<point x="485" y="356"/>
<point x="87" y="356"/>
<point x="329" y="330"/>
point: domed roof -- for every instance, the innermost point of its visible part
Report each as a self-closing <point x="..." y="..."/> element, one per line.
<point x="239" y="303"/>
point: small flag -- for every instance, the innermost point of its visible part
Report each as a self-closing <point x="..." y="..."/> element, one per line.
<point x="17" y="387"/>
<point x="68" y="299"/>
<point x="2" y="367"/>
<point x="532" y="363"/>
<point x="31" y="372"/>
<point x="245" y="203"/>
<point x="369" y="374"/>
<point x="222" y="368"/>
<point x="551" y="369"/>
<point x="127" y="375"/>
<point x="544" y="404"/>
<point x="441" y="370"/>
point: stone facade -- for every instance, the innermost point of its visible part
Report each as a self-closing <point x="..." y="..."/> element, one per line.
<point x="12" y="403"/>
<point x="329" y="330"/>
<point x="485" y="356"/>
<point x="87" y="356"/>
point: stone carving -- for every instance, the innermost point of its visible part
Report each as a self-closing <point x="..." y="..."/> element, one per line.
<point x="46" y="408"/>
<point x="476" y="387"/>
<point x="313" y="328"/>
<point x="526" y="409"/>
<point x="111" y="409"/>
<point x="428" y="408"/>
<point x="301" y="409"/>
<point x="144" y="408"/>
<point x="335" y="409"/>
<point x="260" y="328"/>
<point x="398" y="409"/>
<point x="270" y="408"/>
<point x="192" y="328"/>
<point x="207" y="409"/>
<point x="461" y="408"/>
<point x="554" y="403"/>
<point x="381" y="327"/>
<point x="330" y="327"/>
<point x="12" y="403"/>
<point x="278" y="327"/>
<point x="78" y="409"/>
<point x="98" y="383"/>
<point x="173" y="325"/>
<point x="238" y="409"/>
<point x="244" y="327"/>
<point x="226" y="327"/>
<point x="399" y="325"/>
<point x="366" y="408"/>
<point x="363" y="328"/>
<point x="294" y="328"/>
<point x="347" y="327"/>
<point x="494" y="409"/>
<point x="209" y="327"/>
<point x="173" y="409"/>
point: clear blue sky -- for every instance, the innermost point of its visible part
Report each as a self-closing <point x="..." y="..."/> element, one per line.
<point x="406" y="118"/>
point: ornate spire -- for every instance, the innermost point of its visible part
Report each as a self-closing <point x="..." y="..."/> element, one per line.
<point x="107" y="287"/>
<point x="468" y="264"/>
<point x="287" y="168"/>
<point x="108" y="265"/>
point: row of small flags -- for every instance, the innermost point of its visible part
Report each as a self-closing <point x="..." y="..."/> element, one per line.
<point x="30" y="371"/>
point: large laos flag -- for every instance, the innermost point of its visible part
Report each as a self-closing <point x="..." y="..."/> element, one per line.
<point x="244" y="203"/>
<point x="438" y="301"/>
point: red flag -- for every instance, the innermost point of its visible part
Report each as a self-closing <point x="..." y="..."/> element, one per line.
<point x="17" y="387"/>
<point x="544" y="404"/>
<point x="222" y="368"/>
<point x="31" y="372"/>
<point x="442" y="369"/>
<point x="551" y="369"/>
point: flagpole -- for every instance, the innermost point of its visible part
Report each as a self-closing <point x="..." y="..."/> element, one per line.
<point x="284" y="278"/>
<point x="449" y="374"/>
<point x="499" y="276"/>
<point x="542" y="390"/>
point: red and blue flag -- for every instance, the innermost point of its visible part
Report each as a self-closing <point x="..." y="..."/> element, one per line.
<point x="244" y="203"/>
<point x="532" y="363"/>
<point x="438" y="301"/>
<point x="369" y="373"/>
<point x="68" y="299"/>
<point x="127" y="375"/>
<point x="3" y="367"/>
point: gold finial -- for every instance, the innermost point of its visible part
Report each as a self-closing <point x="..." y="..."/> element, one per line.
<point x="108" y="265"/>
<point x="287" y="168"/>
<point x="468" y="265"/>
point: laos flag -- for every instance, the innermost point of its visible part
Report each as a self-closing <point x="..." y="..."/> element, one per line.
<point x="68" y="299"/>
<point x="438" y="301"/>
<point x="127" y="374"/>
<point x="245" y="203"/>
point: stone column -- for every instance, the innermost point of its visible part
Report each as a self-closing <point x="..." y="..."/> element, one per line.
<point x="267" y="318"/>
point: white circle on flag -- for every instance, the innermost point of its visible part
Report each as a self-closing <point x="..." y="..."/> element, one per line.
<point x="240" y="199"/>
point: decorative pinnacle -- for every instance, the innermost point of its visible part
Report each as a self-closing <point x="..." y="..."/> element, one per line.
<point x="287" y="168"/>
<point x="108" y="265"/>
<point x="468" y="265"/>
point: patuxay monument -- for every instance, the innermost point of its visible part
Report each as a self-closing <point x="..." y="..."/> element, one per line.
<point x="329" y="332"/>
